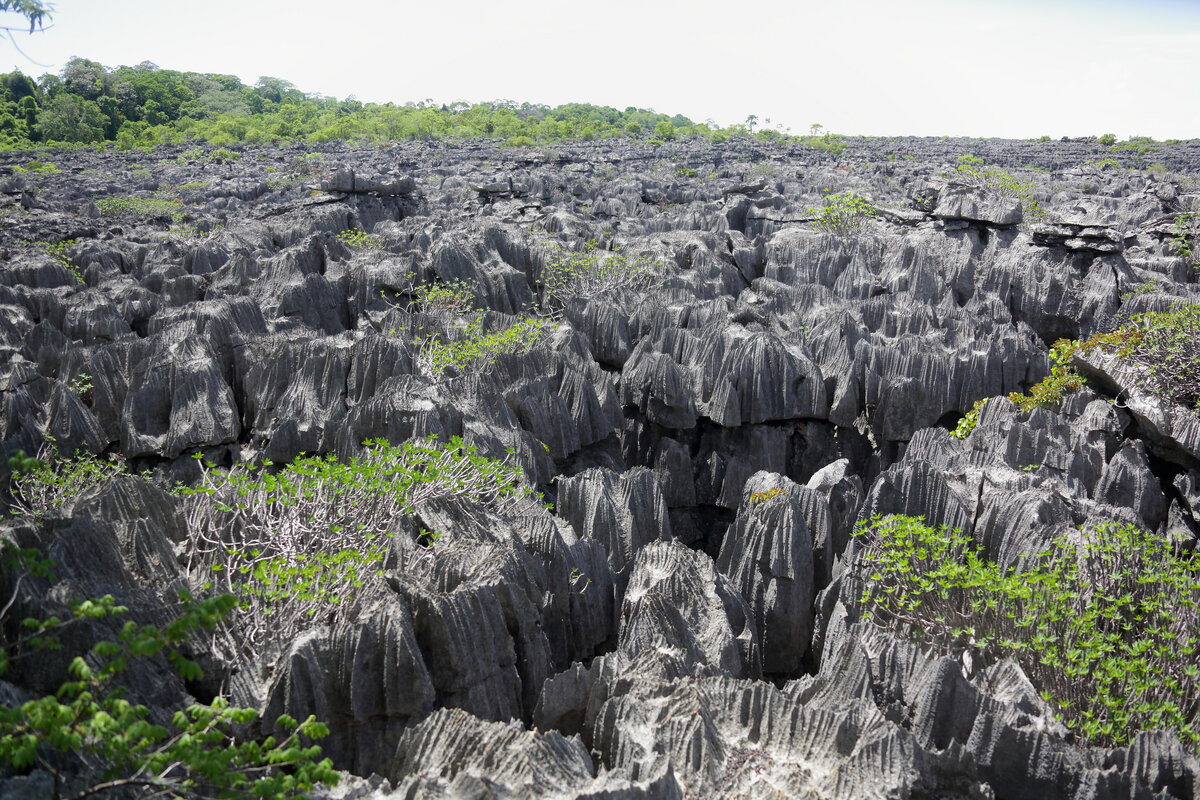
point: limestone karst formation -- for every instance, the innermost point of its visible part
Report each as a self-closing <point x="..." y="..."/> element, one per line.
<point x="681" y="622"/>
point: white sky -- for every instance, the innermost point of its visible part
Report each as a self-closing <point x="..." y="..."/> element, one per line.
<point x="1007" y="68"/>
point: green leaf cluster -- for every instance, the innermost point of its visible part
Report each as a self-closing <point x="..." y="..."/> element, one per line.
<point x="112" y="745"/>
<point x="843" y="214"/>
<point x="1185" y="237"/>
<point x="359" y="239"/>
<point x="974" y="171"/>
<point x="299" y="542"/>
<point x="61" y="253"/>
<point x="1105" y="622"/>
<point x="1163" y="347"/>
<point x="445" y="298"/>
<point x="52" y="483"/>
<point x="154" y="206"/>
<point x="591" y="272"/>
<point x="471" y="349"/>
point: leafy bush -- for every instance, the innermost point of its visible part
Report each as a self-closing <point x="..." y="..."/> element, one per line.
<point x="843" y="214"/>
<point x="61" y="253"/>
<point x="360" y="239"/>
<point x="154" y="206"/>
<point x="296" y="543"/>
<point x="1185" y="237"/>
<point x="969" y="421"/>
<point x="1108" y="140"/>
<point x="974" y="171"/>
<point x="1165" y="348"/>
<point x="88" y="735"/>
<point x="445" y="299"/>
<point x="1162" y="347"/>
<point x="48" y="484"/>
<point x="1062" y="380"/>
<point x="37" y="167"/>
<point x="1105" y="623"/>
<point x="472" y="350"/>
<point x="590" y="273"/>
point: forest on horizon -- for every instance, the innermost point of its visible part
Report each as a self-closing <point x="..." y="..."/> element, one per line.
<point x="144" y="106"/>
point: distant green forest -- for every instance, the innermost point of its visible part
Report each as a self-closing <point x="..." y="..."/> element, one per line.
<point x="144" y="106"/>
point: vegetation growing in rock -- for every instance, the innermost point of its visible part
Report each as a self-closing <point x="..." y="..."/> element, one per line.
<point x="762" y="497"/>
<point x="843" y="214"/>
<point x="299" y="542"/>
<point x="591" y="272"/>
<point x="470" y="348"/>
<point x="993" y="180"/>
<point x="155" y="205"/>
<point x="1162" y="348"/>
<point x="61" y="253"/>
<point x="1106" y="622"/>
<point x="93" y="741"/>
<point x="1185" y="237"/>
<point x="445" y="298"/>
<point x="359" y="239"/>
<point x="46" y="486"/>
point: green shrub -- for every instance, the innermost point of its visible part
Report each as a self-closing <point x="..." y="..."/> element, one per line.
<point x="223" y="155"/>
<point x="361" y="240"/>
<point x="1163" y="348"/>
<point x="296" y="544"/>
<point x="1062" y="380"/>
<point x="61" y="253"/>
<point x="1105" y="623"/>
<point x="445" y="299"/>
<point x="1185" y="237"/>
<point x="51" y="483"/>
<point x="37" y="167"/>
<point x="88" y="735"/>
<point x="843" y="214"/>
<point x="471" y="350"/>
<point x="969" y="421"/>
<point x="1108" y="140"/>
<point x="590" y="273"/>
<point x="154" y="206"/>
<point x="993" y="180"/>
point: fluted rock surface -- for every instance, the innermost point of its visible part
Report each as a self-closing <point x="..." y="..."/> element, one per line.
<point x="704" y="440"/>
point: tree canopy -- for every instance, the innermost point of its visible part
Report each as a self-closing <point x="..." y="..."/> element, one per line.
<point x="144" y="106"/>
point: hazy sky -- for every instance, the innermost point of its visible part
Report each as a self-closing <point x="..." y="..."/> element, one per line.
<point x="1011" y="68"/>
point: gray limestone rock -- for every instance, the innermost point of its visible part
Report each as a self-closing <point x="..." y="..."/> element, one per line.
<point x="768" y="556"/>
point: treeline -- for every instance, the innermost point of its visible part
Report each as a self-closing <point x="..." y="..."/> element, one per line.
<point x="144" y="106"/>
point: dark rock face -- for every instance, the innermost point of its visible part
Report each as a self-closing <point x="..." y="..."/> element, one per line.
<point x="682" y="623"/>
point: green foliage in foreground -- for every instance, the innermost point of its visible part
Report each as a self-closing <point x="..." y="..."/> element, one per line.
<point x="47" y="486"/>
<point x="1106" y="623"/>
<point x="92" y="740"/>
<point x="843" y="214"/>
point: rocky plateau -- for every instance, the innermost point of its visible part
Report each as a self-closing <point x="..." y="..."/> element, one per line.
<point x="659" y="632"/>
